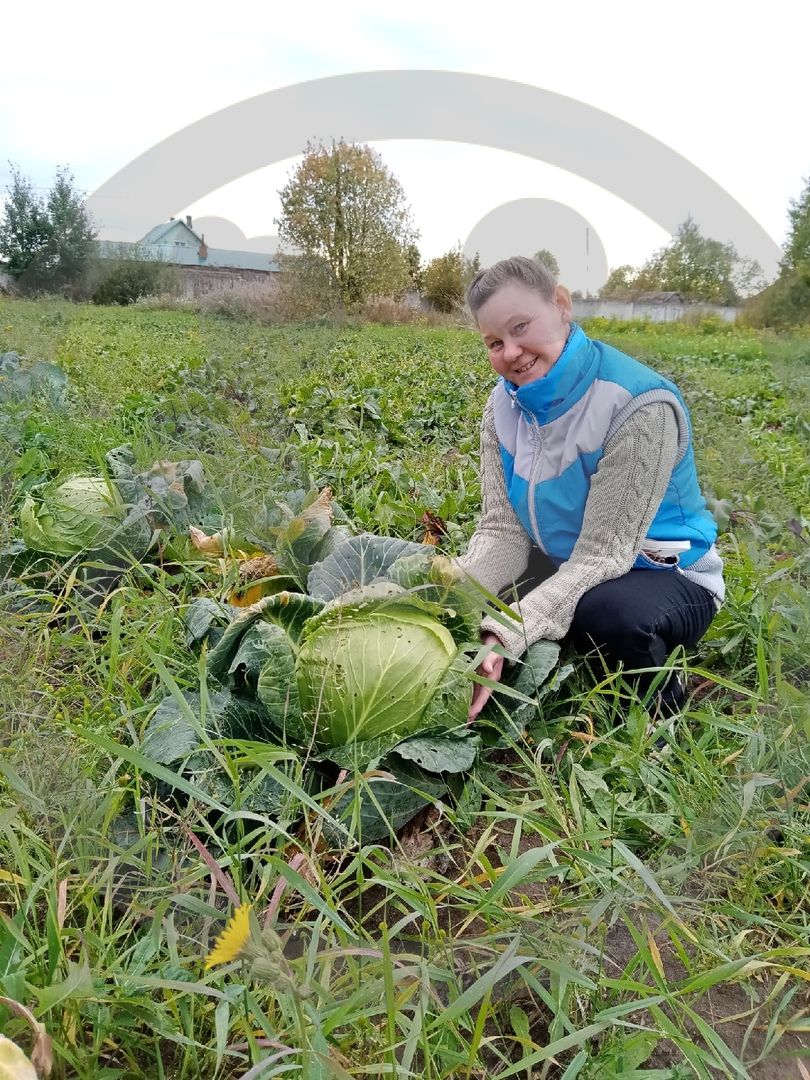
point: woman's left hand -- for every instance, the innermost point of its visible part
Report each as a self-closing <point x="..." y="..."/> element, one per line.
<point x="491" y="667"/>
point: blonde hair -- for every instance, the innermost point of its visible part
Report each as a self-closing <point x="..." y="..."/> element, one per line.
<point x="486" y="283"/>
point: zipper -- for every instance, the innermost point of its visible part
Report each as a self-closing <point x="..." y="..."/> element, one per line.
<point x="537" y="444"/>
<point x="537" y="440"/>
<point x="660" y="564"/>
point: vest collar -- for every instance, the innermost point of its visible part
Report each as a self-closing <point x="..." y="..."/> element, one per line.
<point x="555" y="393"/>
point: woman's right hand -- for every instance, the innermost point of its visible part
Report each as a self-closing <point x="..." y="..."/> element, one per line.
<point x="491" y="667"/>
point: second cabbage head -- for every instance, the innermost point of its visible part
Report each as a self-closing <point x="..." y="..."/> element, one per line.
<point x="79" y="514"/>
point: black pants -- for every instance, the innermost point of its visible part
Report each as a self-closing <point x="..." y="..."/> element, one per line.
<point x="635" y="620"/>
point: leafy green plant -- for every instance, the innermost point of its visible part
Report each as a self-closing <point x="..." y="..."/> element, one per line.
<point x="126" y="281"/>
<point x="116" y="517"/>
<point x="527" y="920"/>
<point x="371" y="668"/>
<point x="75" y="515"/>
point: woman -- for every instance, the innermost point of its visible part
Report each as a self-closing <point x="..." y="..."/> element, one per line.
<point x="587" y="455"/>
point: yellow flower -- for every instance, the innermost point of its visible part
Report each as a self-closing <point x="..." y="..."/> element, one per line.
<point x="232" y="941"/>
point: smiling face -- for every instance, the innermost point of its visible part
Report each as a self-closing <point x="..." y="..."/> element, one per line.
<point x="524" y="333"/>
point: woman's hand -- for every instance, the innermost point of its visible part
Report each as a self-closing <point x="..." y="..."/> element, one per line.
<point x="490" y="667"/>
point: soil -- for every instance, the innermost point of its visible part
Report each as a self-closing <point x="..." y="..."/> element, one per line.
<point x="737" y="1011"/>
<point x="733" y="1009"/>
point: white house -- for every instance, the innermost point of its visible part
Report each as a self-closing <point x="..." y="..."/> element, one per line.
<point x="202" y="269"/>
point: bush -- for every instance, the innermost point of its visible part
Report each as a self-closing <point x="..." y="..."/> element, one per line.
<point x="127" y="281"/>
<point x="247" y="299"/>
<point x="597" y="325"/>
<point x="446" y="279"/>
<point x="705" y="322"/>
<point x="387" y="311"/>
<point x="271" y="302"/>
<point x="444" y="285"/>
<point x="784" y="304"/>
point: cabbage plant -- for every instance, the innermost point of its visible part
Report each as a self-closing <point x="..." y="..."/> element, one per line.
<point x="371" y="670"/>
<point x="78" y="514"/>
<point x="116" y="520"/>
<point x="374" y="650"/>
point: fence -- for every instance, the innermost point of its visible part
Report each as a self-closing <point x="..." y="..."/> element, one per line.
<point x="670" y="311"/>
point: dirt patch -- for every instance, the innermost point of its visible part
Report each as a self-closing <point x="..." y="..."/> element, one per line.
<point x="738" y="1011"/>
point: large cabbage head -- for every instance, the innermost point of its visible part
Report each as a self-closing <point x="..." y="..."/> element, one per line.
<point x="66" y="518"/>
<point x="364" y="673"/>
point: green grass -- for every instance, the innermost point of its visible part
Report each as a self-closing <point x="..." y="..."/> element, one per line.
<point x="593" y="906"/>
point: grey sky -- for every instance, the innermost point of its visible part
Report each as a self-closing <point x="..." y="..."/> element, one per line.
<point x="714" y="82"/>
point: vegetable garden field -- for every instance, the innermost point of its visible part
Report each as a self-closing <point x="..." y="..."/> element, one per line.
<point x="572" y="889"/>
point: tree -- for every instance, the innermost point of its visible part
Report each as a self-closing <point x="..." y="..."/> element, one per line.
<point x="469" y="268"/>
<point x="545" y="256"/>
<point x="699" y="268"/>
<point x="797" y="247"/>
<point x="25" y="229"/>
<point x="786" y="302"/>
<point x="346" y="214"/>
<point x="693" y="265"/>
<point x="71" y="245"/>
<point x="49" y="246"/>
<point x="416" y="273"/>
<point x="620" y="283"/>
<point x="447" y="277"/>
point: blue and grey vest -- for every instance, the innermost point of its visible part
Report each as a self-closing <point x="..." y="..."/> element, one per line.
<point x="552" y="432"/>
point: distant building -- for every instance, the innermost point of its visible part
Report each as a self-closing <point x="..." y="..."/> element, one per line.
<point x="202" y="268"/>
<point x="658" y="298"/>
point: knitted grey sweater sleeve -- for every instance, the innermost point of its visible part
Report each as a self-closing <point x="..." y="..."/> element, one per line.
<point x="498" y="551"/>
<point x="626" y="491"/>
